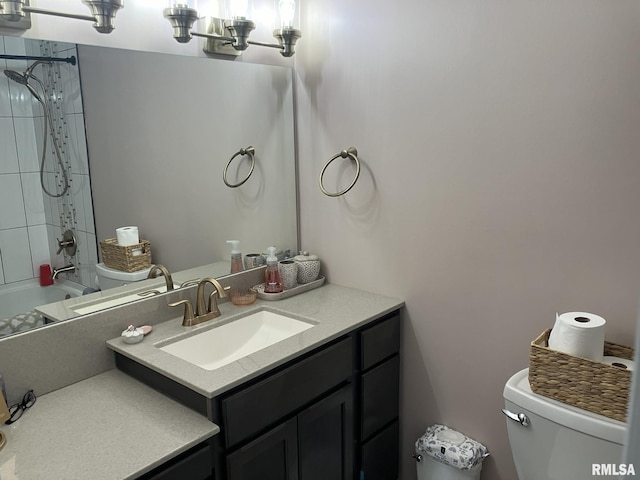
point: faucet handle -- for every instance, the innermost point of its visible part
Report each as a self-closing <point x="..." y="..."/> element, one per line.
<point x="188" y="317"/>
<point x="68" y="243"/>
<point x="188" y="283"/>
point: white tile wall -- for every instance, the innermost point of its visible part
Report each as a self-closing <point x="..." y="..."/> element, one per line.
<point x="16" y="254"/>
<point x="9" y="162"/>
<point x="30" y="221"/>
<point x="11" y="195"/>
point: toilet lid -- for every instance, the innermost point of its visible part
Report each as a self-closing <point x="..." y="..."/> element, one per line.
<point x="104" y="271"/>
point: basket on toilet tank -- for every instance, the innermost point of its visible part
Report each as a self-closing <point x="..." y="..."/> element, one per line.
<point x="594" y="386"/>
<point x="445" y="454"/>
<point x="126" y="259"/>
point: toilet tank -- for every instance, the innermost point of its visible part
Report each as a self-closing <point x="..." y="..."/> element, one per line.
<point x="560" y="442"/>
<point x="111" y="278"/>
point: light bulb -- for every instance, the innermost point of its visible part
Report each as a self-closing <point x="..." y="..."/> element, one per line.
<point x="287" y="11"/>
<point x="183" y="4"/>
<point x="239" y="9"/>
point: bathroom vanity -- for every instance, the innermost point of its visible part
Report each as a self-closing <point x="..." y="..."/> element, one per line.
<point x="320" y="405"/>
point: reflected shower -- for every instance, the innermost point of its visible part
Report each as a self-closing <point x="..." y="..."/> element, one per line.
<point x="24" y="80"/>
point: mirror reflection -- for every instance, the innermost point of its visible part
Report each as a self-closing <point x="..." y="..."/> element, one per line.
<point x="160" y="130"/>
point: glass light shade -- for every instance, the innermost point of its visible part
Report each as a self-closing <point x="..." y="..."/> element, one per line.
<point x="183" y="4"/>
<point x="287" y="12"/>
<point x="239" y="9"/>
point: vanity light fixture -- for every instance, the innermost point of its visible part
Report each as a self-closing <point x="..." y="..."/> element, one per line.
<point x="17" y="14"/>
<point x="231" y="36"/>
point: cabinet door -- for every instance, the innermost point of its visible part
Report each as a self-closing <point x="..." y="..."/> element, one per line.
<point x="272" y="456"/>
<point x="325" y="438"/>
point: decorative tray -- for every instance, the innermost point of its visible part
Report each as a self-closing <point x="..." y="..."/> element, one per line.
<point x="290" y="292"/>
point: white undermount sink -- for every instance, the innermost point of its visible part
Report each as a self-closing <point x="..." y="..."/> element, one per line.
<point x="231" y="341"/>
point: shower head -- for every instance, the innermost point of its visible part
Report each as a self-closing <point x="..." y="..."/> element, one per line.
<point x="16" y="77"/>
<point x="23" y="79"/>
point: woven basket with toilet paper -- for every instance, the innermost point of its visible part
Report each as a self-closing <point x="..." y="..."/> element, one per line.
<point x="129" y="258"/>
<point x="582" y="369"/>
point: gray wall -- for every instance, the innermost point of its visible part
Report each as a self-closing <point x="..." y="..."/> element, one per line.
<point x="500" y="182"/>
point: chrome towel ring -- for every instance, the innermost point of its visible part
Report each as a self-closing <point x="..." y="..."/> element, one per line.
<point x="242" y="152"/>
<point x="351" y="153"/>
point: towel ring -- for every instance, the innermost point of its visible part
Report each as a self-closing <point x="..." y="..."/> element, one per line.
<point x="351" y="153"/>
<point x="243" y="151"/>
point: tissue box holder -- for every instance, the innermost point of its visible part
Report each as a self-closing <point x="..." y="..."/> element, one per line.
<point x="122" y="258"/>
<point x="597" y="387"/>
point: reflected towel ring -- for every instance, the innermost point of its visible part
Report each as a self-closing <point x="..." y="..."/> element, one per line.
<point x="351" y="153"/>
<point x="243" y="151"/>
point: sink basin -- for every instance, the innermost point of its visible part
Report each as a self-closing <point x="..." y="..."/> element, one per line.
<point x="227" y="343"/>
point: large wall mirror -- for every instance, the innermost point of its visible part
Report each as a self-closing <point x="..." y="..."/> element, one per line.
<point x="144" y="139"/>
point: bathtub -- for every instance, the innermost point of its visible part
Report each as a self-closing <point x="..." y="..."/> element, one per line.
<point x="18" y="301"/>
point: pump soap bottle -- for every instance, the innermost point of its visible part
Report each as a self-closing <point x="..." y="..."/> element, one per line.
<point x="272" y="280"/>
<point x="236" y="256"/>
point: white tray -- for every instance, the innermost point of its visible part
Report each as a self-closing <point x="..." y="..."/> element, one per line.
<point x="288" y="293"/>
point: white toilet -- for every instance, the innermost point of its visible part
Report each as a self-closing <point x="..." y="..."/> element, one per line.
<point x="551" y="440"/>
<point x="110" y="278"/>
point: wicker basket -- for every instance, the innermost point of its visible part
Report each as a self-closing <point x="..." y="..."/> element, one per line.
<point x="593" y="386"/>
<point x="122" y="258"/>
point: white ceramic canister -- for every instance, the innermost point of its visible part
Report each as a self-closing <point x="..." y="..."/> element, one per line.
<point x="308" y="267"/>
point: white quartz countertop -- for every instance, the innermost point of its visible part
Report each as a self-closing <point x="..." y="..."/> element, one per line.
<point x="334" y="311"/>
<point x="109" y="426"/>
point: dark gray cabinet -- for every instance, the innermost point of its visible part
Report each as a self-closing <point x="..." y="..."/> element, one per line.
<point x="316" y="444"/>
<point x="273" y="455"/>
<point x="330" y="414"/>
<point x="379" y="381"/>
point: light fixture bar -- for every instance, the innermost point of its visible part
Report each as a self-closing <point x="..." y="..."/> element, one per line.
<point x="220" y="38"/>
<point x="264" y="44"/>
<point x="229" y="36"/>
<point x="58" y="14"/>
<point x="17" y="14"/>
<point x="218" y="42"/>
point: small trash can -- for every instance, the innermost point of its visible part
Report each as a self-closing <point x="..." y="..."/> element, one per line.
<point x="445" y="454"/>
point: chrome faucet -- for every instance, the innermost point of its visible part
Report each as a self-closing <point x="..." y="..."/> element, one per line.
<point x="162" y="270"/>
<point x="67" y="268"/>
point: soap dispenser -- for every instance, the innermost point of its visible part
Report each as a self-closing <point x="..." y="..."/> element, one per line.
<point x="272" y="280"/>
<point x="236" y="256"/>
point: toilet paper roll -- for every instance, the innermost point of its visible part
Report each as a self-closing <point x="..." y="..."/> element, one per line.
<point x="619" y="362"/>
<point x="127" y="236"/>
<point x="580" y="334"/>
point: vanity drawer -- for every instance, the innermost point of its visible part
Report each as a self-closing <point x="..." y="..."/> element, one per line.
<point x="264" y="403"/>
<point x="381" y="455"/>
<point x="380" y="402"/>
<point x="380" y="341"/>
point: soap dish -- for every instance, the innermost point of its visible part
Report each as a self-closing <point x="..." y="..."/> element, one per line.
<point x="290" y="292"/>
<point x="132" y="335"/>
